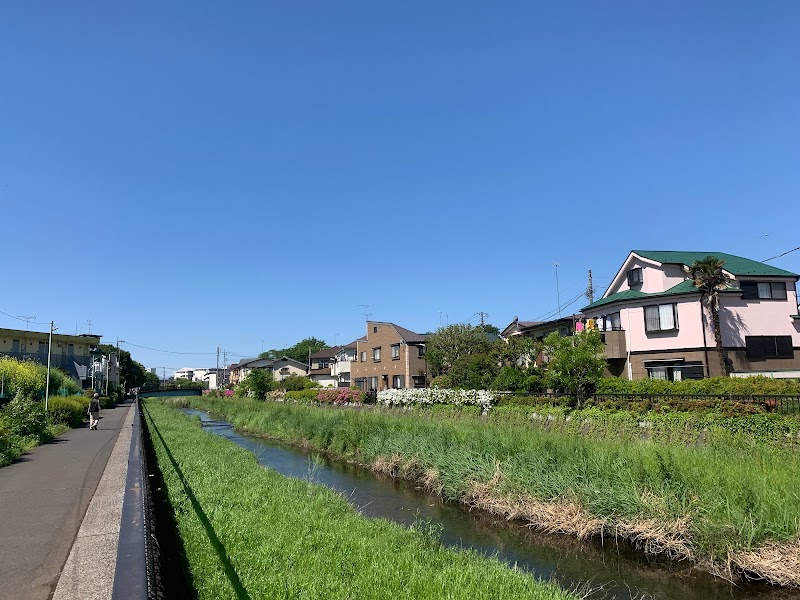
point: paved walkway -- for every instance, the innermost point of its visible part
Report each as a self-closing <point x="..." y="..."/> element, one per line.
<point x="43" y="499"/>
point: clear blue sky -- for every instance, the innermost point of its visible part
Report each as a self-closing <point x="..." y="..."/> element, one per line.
<point x="188" y="175"/>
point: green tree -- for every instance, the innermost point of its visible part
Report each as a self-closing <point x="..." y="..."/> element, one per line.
<point x="294" y="383"/>
<point x="575" y="363"/>
<point x="474" y="372"/>
<point x="131" y="373"/>
<point x="150" y="379"/>
<point x="256" y="384"/>
<point x="710" y="279"/>
<point x="449" y="345"/>
<point x="298" y="352"/>
<point x="516" y="351"/>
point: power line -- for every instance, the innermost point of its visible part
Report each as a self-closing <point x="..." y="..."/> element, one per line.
<point x="569" y="303"/>
<point x="170" y="351"/>
<point x="26" y="319"/>
<point x="784" y="254"/>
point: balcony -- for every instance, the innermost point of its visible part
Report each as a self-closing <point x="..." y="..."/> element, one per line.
<point x="615" y="345"/>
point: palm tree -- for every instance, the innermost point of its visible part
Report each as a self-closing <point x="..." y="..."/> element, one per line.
<point x="710" y="279"/>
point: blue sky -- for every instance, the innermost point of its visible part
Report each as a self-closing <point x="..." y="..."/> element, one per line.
<point x="189" y="175"/>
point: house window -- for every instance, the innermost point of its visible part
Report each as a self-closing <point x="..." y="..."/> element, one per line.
<point x="361" y="383"/>
<point x="364" y="356"/>
<point x="373" y="383"/>
<point x="374" y="330"/>
<point x="674" y="370"/>
<point x="398" y="382"/>
<point x="419" y="381"/>
<point x="376" y="354"/>
<point x="395" y="351"/>
<point x="763" y="290"/>
<point x="610" y="322"/>
<point x="421" y="351"/>
<point x="661" y="317"/>
<point x="768" y="346"/>
<point x="635" y="277"/>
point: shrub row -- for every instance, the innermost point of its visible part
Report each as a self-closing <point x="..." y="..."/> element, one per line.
<point x="714" y="385"/>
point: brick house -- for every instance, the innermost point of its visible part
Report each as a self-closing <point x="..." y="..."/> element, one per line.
<point x="389" y="357"/>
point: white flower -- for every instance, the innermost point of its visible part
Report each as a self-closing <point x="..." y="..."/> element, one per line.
<point x="429" y="396"/>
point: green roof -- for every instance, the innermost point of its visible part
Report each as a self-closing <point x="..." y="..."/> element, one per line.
<point x="733" y="264"/>
<point x="684" y="287"/>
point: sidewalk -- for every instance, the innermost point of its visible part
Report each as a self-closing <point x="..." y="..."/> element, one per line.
<point x="43" y="499"/>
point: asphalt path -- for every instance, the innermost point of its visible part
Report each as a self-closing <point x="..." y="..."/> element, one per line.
<point x="43" y="498"/>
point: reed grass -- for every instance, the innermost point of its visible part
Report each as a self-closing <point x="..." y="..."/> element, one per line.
<point x="249" y="532"/>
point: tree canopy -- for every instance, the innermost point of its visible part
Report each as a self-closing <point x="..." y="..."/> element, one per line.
<point x="576" y="363"/>
<point x="298" y="352"/>
<point x="453" y="343"/>
<point x="131" y="373"/>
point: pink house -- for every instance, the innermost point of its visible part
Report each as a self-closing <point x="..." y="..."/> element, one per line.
<point x="653" y="324"/>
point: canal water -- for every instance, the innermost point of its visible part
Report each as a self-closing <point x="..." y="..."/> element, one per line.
<point x="610" y="571"/>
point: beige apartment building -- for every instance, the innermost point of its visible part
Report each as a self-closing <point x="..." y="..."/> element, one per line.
<point x="71" y="353"/>
<point x="389" y="357"/>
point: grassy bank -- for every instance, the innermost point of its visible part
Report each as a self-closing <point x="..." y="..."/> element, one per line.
<point x="730" y="503"/>
<point x="251" y="533"/>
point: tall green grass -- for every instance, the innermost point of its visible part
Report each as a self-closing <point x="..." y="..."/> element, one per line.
<point x="738" y="493"/>
<point x="249" y="532"/>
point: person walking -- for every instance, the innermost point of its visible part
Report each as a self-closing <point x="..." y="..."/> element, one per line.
<point x="94" y="411"/>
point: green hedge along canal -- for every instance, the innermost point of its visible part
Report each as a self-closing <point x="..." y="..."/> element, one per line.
<point x="611" y="571"/>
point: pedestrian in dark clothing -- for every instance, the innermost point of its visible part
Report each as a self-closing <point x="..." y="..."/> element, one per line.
<point x="94" y="411"/>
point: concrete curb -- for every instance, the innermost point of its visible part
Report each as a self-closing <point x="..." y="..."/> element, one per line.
<point x="89" y="571"/>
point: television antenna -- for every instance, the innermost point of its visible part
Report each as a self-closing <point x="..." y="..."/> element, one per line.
<point x="366" y="312"/>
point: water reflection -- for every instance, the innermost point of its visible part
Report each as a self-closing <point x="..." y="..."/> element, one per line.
<point x="611" y="571"/>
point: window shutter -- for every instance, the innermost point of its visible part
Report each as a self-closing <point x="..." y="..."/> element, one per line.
<point x="784" y="346"/>
<point x="755" y="347"/>
<point x="750" y="290"/>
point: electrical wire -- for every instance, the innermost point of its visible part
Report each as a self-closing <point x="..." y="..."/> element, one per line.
<point x="784" y="254"/>
<point x="23" y="319"/>
<point x="168" y="351"/>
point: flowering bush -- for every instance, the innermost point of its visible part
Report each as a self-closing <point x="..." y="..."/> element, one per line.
<point x="228" y="393"/>
<point x="428" y="396"/>
<point x="340" y="395"/>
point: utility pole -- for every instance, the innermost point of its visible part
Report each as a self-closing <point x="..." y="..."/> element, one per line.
<point x="216" y="373"/>
<point x="558" y="293"/>
<point x="49" y="354"/>
<point x="590" y="289"/>
<point x="483" y="315"/>
<point x="120" y="381"/>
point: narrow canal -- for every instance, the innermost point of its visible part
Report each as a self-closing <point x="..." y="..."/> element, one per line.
<point x="608" y="570"/>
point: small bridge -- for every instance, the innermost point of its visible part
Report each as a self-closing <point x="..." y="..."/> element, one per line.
<point x="167" y="389"/>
